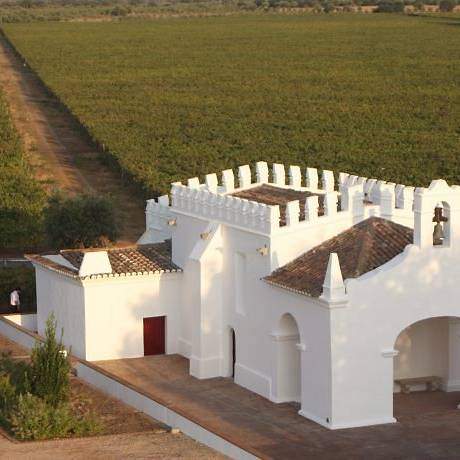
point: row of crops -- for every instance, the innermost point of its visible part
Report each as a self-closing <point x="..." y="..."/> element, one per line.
<point x="374" y="95"/>
<point x="21" y="197"/>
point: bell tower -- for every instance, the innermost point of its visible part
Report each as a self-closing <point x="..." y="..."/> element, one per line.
<point x="436" y="215"/>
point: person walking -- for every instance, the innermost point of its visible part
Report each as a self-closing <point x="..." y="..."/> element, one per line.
<point x="15" y="300"/>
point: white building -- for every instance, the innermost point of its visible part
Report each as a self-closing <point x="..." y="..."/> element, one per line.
<point x="299" y="291"/>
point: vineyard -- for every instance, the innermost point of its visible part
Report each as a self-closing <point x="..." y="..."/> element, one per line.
<point x="21" y="198"/>
<point x="375" y="95"/>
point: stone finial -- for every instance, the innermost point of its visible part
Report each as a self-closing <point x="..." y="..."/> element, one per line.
<point x="262" y="172"/>
<point x="343" y="178"/>
<point x="333" y="286"/>
<point x="95" y="263"/>
<point x="193" y="182"/>
<point x="406" y="198"/>
<point x="330" y="203"/>
<point x="279" y="174"/>
<point x="273" y="217"/>
<point x="228" y="180"/>
<point x="295" y="176"/>
<point x="311" y="207"/>
<point x="292" y="212"/>
<point x="244" y="176"/>
<point x="387" y="199"/>
<point x="312" y="178"/>
<point x="369" y="186"/>
<point x="211" y="182"/>
<point x="163" y="200"/>
<point x="328" y="181"/>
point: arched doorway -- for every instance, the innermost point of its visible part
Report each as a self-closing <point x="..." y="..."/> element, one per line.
<point x="427" y="360"/>
<point x="288" y="359"/>
<point x="229" y="353"/>
<point x="233" y="352"/>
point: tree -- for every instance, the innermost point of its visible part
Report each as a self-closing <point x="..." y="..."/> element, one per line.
<point x="390" y="6"/>
<point x="446" y="6"/>
<point x="50" y="367"/>
<point x="80" y="222"/>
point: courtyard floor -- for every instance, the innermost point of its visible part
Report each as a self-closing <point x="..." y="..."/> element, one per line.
<point x="428" y="428"/>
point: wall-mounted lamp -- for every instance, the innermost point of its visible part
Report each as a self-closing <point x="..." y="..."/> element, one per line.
<point x="263" y="251"/>
<point x="204" y="235"/>
<point x="172" y="222"/>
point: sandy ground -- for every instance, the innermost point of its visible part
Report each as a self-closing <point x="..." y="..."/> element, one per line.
<point x="62" y="157"/>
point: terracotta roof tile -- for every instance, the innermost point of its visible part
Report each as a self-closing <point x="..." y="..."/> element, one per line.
<point x="144" y="258"/>
<point x="271" y="195"/>
<point x="362" y="248"/>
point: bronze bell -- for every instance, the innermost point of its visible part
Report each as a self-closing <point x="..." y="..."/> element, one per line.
<point x="438" y="235"/>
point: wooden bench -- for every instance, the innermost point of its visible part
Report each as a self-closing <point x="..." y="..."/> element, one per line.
<point x="432" y="383"/>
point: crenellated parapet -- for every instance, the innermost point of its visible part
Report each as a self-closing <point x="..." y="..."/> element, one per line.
<point x="321" y="201"/>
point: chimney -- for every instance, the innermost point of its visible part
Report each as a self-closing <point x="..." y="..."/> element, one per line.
<point x="95" y="263"/>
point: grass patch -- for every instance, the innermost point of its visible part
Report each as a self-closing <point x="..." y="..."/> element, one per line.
<point x="374" y="95"/>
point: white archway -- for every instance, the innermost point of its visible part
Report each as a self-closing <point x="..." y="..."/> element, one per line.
<point x="426" y="348"/>
<point x="288" y="360"/>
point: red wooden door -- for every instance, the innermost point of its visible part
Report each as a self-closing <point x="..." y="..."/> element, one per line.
<point x="154" y="335"/>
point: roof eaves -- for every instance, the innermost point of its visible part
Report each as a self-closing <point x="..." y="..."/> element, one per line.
<point x="289" y="288"/>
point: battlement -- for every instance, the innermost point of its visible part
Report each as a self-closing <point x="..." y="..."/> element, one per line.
<point x="324" y="199"/>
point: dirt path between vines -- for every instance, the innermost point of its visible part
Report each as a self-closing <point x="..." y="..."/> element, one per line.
<point x="61" y="155"/>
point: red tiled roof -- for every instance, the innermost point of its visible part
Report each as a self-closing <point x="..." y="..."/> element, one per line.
<point x="146" y="258"/>
<point x="362" y="248"/>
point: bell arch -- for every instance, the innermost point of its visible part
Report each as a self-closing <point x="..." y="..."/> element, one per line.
<point x="427" y="356"/>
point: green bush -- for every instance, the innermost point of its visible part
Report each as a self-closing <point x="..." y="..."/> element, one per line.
<point x="390" y="6"/>
<point x="82" y="221"/>
<point x="18" y="372"/>
<point x="24" y="277"/>
<point x="34" y="398"/>
<point x="447" y="6"/>
<point x="50" y="368"/>
<point x="7" y="398"/>
<point x="33" y="419"/>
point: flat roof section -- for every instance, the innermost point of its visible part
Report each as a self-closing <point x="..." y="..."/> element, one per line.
<point x="272" y="196"/>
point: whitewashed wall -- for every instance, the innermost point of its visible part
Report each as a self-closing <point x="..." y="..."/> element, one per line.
<point x="417" y="284"/>
<point x="27" y="320"/>
<point x="64" y="297"/>
<point x="115" y="308"/>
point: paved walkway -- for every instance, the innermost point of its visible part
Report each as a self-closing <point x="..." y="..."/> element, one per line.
<point x="428" y="428"/>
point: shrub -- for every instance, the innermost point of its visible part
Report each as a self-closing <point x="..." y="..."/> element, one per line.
<point x="390" y="6"/>
<point x="33" y="419"/>
<point x="7" y="398"/>
<point x="82" y="221"/>
<point x="447" y="6"/>
<point x="50" y="368"/>
<point x="18" y="372"/>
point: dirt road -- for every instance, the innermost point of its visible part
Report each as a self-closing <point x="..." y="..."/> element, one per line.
<point x="61" y="155"/>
